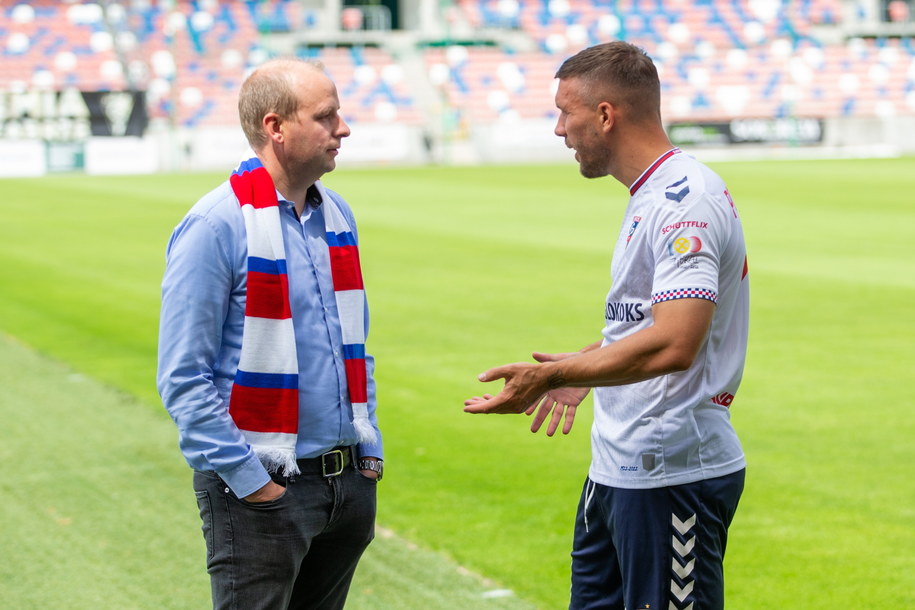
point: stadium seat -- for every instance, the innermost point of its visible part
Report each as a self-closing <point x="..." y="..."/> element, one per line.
<point x="719" y="59"/>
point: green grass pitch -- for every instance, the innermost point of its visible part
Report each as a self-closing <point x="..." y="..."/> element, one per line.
<point x="466" y="268"/>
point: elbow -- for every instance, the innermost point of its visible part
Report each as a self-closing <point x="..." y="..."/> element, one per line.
<point x="678" y="360"/>
<point x="680" y="365"/>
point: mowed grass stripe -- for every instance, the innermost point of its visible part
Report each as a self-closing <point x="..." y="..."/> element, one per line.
<point x="99" y="511"/>
<point x="97" y="505"/>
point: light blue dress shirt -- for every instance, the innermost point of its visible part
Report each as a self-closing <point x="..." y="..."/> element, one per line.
<point x="200" y="333"/>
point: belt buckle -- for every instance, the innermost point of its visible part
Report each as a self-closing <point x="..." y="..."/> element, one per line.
<point x="336" y="459"/>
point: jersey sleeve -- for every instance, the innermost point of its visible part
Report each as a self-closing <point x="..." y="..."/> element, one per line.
<point x="687" y="244"/>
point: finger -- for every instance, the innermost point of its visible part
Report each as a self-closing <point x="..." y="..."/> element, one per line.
<point x="476" y="399"/>
<point x="496" y="404"/>
<point x="534" y="404"/>
<point x="492" y="374"/>
<point x="554" y="421"/>
<point x="476" y="407"/>
<point x="570" y="419"/>
<point x="542" y="357"/>
<point x="542" y="412"/>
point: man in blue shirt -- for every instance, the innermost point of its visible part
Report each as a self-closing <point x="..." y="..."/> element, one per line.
<point x="276" y="538"/>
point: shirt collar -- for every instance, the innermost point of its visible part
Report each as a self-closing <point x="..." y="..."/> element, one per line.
<point x="313" y="197"/>
<point x="313" y="201"/>
<point x="651" y="169"/>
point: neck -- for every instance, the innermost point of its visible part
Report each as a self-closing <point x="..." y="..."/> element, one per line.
<point x="640" y="151"/>
<point x="293" y="188"/>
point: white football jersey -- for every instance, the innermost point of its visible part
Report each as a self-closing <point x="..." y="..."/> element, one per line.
<point x="681" y="239"/>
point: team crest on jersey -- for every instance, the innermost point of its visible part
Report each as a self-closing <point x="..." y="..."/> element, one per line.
<point x="635" y="223"/>
<point x="675" y="193"/>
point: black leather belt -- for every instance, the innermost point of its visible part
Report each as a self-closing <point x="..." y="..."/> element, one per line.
<point x="330" y="464"/>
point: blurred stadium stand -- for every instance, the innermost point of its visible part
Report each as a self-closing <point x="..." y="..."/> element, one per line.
<point x="444" y="71"/>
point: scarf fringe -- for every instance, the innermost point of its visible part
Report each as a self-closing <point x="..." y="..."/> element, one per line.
<point x="364" y="429"/>
<point x="276" y="458"/>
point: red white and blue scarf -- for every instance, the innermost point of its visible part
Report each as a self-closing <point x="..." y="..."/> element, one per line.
<point x="264" y="402"/>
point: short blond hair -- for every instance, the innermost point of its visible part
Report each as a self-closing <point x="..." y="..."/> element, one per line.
<point x="270" y="88"/>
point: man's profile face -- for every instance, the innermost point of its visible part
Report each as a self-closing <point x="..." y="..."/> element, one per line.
<point x="314" y="134"/>
<point x="579" y="126"/>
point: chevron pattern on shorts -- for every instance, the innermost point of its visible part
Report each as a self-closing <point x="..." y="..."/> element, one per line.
<point x="683" y="541"/>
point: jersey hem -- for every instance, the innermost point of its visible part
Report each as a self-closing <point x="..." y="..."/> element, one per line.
<point x="692" y="476"/>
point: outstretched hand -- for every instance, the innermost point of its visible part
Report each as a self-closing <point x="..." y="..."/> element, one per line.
<point x="525" y="384"/>
<point x="562" y="402"/>
<point x="527" y="387"/>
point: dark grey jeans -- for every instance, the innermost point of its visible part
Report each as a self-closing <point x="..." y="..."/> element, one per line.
<point x="299" y="551"/>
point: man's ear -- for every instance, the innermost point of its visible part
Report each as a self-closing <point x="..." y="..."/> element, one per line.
<point x="607" y="113"/>
<point x="273" y="126"/>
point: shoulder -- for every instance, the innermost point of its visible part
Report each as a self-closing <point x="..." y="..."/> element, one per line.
<point x="219" y="208"/>
<point x="684" y="178"/>
<point x="215" y="216"/>
<point x="686" y="196"/>
<point x="684" y="183"/>
<point x="220" y="205"/>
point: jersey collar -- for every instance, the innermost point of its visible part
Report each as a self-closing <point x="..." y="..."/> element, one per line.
<point x="651" y="169"/>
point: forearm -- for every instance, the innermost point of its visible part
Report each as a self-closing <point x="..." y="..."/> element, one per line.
<point x="591" y="347"/>
<point x="667" y="346"/>
<point x="633" y="359"/>
<point x="207" y="435"/>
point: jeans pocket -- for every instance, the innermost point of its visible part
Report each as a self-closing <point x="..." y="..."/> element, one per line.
<point x="366" y="478"/>
<point x="206" y="516"/>
<point x="269" y="504"/>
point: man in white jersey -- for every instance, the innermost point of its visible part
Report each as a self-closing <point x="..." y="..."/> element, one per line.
<point x="667" y="468"/>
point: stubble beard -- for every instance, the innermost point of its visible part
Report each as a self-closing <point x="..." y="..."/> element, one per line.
<point x="593" y="168"/>
<point x="593" y="162"/>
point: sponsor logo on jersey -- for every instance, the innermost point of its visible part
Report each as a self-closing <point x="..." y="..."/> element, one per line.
<point x="675" y="193"/>
<point x="724" y="399"/>
<point x="684" y="224"/>
<point x="683" y="245"/>
<point x="635" y="223"/>
<point x="624" y="312"/>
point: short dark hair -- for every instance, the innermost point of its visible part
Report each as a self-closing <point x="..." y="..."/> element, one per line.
<point x="617" y="72"/>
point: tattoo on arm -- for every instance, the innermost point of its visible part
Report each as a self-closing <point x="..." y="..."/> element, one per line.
<point x="556" y="380"/>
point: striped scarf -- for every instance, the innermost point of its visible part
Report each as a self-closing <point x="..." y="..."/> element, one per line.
<point x="264" y="402"/>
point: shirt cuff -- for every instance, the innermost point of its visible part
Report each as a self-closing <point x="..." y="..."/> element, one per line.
<point x="375" y="449"/>
<point x="246" y="478"/>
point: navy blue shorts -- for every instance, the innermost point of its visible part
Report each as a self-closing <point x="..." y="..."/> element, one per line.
<point x="653" y="548"/>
